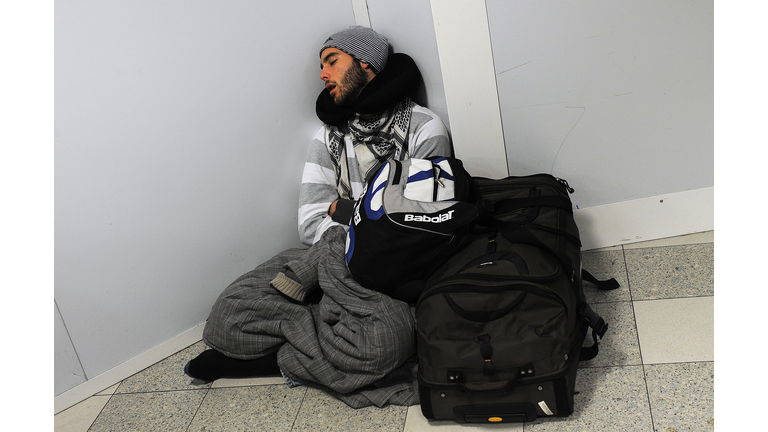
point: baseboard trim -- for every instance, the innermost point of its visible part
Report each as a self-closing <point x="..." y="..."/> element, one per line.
<point x="124" y="370"/>
<point x="645" y="219"/>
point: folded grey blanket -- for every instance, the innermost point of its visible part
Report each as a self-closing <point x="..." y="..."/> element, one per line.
<point x="357" y="344"/>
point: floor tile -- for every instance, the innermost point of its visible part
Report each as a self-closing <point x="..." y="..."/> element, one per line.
<point x="167" y="374"/>
<point x="702" y="237"/>
<point x="672" y="271"/>
<point x="608" y="399"/>
<point x="654" y="372"/>
<point x="676" y="330"/>
<point x="259" y="408"/>
<point x="605" y="265"/>
<point x="149" y="412"/>
<point x="682" y="396"/>
<point x="321" y="412"/>
<point x="78" y="418"/>
<point x="620" y="345"/>
<point x="416" y="422"/>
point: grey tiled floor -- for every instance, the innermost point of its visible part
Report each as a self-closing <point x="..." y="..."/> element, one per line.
<point x="655" y="370"/>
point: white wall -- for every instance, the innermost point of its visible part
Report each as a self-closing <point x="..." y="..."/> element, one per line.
<point x="181" y="128"/>
<point x="616" y="97"/>
<point x="413" y="33"/>
<point x="466" y="58"/>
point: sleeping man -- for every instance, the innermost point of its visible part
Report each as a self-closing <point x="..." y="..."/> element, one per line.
<point x="301" y="314"/>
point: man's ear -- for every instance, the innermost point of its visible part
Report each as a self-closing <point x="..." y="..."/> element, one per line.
<point x="369" y="71"/>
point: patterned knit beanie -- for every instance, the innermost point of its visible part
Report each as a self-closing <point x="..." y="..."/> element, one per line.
<point x="362" y="43"/>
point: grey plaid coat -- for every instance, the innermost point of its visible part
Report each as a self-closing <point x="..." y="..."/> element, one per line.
<point x="357" y="344"/>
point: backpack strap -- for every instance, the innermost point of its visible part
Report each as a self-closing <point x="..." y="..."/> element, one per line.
<point x="598" y="326"/>
<point x="604" y="285"/>
<point x="594" y="321"/>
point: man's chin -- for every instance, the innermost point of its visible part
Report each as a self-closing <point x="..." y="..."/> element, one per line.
<point x="342" y="102"/>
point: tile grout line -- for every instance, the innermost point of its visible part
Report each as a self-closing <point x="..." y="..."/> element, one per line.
<point x="168" y="390"/>
<point x="100" y="411"/>
<point x="639" y="346"/>
<point x="405" y="420"/>
<point x="197" y="411"/>
<point x="703" y="296"/>
<point x="111" y="396"/>
<point x="298" y="410"/>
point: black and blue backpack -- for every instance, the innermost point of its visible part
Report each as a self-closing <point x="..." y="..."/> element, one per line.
<point x="407" y="223"/>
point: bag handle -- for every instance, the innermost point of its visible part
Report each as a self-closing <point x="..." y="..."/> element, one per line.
<point x="508" y="205"/>
<point x="486" y="387"/>
<point x="482" y="316"/>
<point x="517" y="234"/>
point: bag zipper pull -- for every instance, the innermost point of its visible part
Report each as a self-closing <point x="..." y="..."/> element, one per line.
<point x="565" y="184"/>
<point x="437" y="171"/>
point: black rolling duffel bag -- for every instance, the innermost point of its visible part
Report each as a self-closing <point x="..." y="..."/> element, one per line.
<point x="501" y="325"/>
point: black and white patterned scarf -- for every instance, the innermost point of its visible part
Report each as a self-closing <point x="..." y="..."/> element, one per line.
<point x="382" y="138"/>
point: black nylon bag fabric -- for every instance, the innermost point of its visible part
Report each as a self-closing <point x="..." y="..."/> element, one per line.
<point x="499" y="329"/>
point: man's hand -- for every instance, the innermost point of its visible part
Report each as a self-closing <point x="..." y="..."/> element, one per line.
<point x="341" y="210"/>
<point x="332" y="208"/>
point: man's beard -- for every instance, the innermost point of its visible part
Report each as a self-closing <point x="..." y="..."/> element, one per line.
<point x="352" y="83"/>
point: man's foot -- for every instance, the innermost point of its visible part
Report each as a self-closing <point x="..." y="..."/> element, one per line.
<point x="211" y="365"/>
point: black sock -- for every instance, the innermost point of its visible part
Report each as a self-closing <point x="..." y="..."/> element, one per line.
<point x="212" y="365"/>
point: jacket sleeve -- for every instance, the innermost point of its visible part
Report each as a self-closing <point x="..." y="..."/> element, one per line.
<point x="317" y="191"/>
<point x="427" y="135"/>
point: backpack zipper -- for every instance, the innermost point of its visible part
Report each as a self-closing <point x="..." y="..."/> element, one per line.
<point x="565" y="185"/>
<point x="544" y="180"/>
<point x="469" y="285"/>
<point x="436" y="175"/>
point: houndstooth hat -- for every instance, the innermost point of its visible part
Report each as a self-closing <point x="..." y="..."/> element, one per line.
<point x="362" y="43"/>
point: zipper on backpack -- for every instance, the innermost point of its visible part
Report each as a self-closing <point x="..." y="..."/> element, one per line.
<point x="565" y="185"/>
<point x="458" y="285"/>
<point x="436" y="170"/>
<point x="531" y="181"/>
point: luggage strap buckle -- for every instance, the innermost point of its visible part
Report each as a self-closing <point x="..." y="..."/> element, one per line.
<point x="595" y="321"/>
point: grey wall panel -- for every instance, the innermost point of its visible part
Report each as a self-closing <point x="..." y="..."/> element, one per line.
<point x="617" y="97"/>
<point x="181" y="130"/>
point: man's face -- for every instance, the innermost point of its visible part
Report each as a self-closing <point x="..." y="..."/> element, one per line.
<point x="344" y="76"/>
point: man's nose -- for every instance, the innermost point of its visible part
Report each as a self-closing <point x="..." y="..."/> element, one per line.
<point x="323" y="75"/>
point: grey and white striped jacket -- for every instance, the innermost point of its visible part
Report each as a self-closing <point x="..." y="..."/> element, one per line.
<point x="427" y="136"/>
